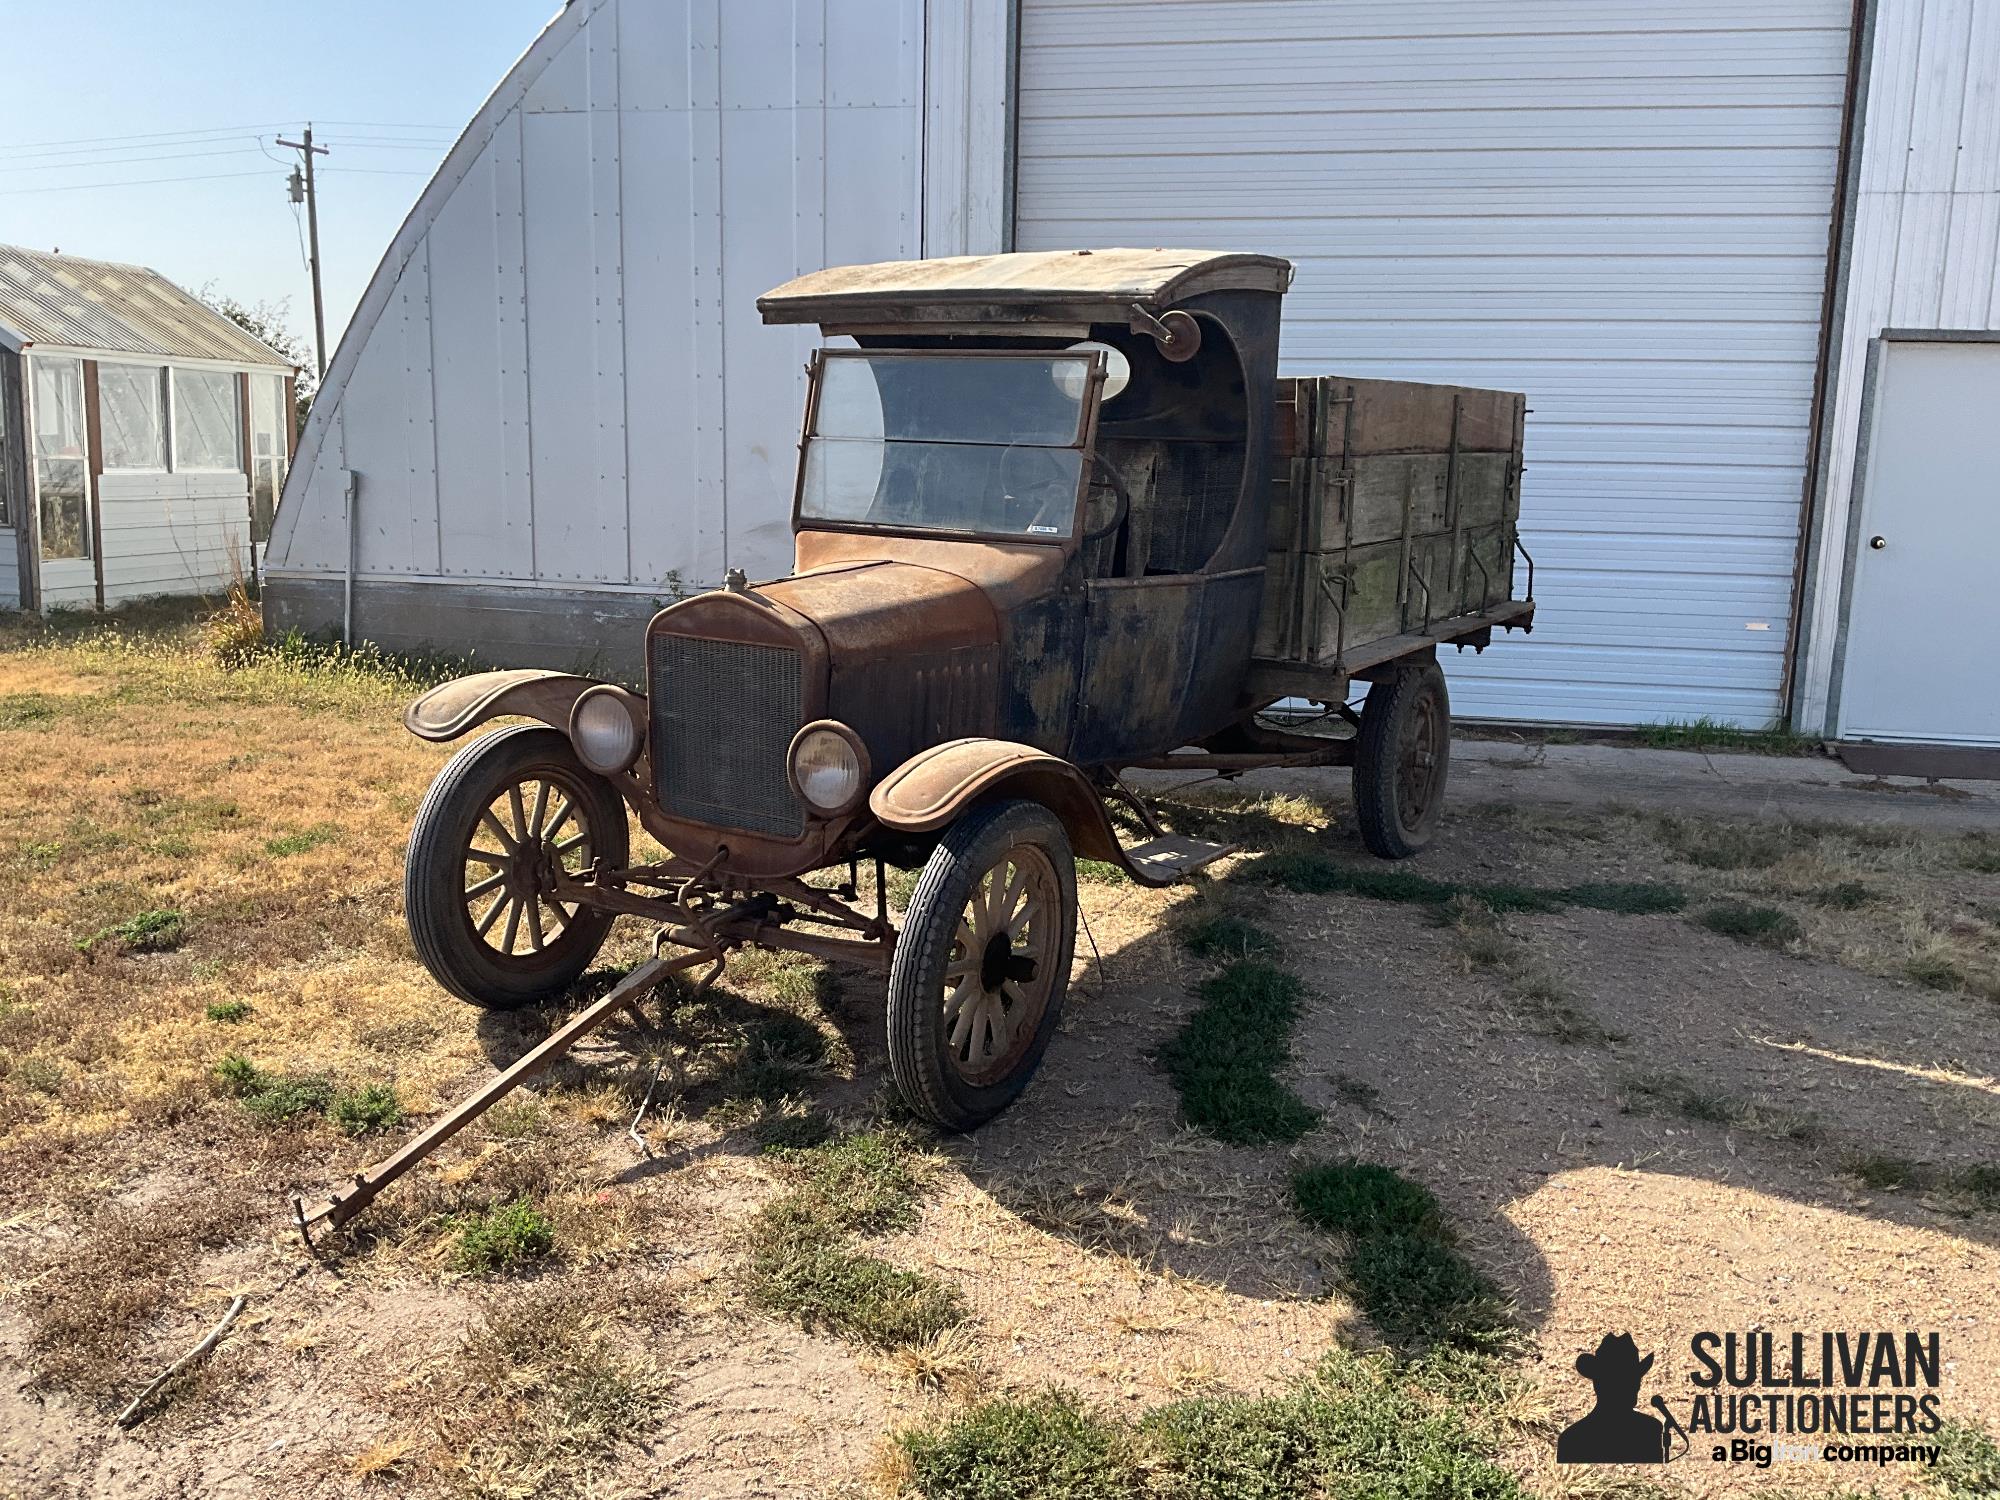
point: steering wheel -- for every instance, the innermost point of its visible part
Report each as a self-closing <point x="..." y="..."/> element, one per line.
<point x="1020" y="499"/>
<point x="1116" y="485"/>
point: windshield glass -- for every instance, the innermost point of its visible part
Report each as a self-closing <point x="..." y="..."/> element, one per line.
<point x="981" y="444"/>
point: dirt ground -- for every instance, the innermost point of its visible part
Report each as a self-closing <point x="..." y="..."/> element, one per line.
<point x="1635" y="1122"/>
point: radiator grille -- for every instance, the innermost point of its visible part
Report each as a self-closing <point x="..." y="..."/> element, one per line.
<point x="724" y="714"/>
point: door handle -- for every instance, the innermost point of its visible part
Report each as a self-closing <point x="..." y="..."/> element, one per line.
<point x="1877" y="543"/>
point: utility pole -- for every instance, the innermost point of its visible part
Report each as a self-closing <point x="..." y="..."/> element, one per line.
<point x="305" y="189"/>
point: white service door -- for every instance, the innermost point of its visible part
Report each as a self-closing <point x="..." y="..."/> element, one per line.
<point x="1619" y="207"/>
<point x="1919" y="663"/>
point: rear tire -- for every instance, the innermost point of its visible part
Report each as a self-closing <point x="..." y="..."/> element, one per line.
<point x="982" y="966"/>
<point x="1401" y="760"/>
<point x="482" y="852"/>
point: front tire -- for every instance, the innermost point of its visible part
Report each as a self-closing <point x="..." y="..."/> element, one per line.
<point x="1401" y="760"/>
<point x="477" y="890"/>
<point x="982" y="965"/>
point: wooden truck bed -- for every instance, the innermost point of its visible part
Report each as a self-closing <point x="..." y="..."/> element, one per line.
<point x="1393" y="528"/>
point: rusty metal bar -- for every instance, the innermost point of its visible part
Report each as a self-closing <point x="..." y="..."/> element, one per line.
<point x="865" y="953"/>
<point x="1454" y="581"/>
<point x="1337" y="753"/>
<point x="345" y="1204"/>
<point x="1485" y="580"/>
<point x="1350" y="400"/>
<point x="1518" y="547"/>
<point x="1425" y="586"/>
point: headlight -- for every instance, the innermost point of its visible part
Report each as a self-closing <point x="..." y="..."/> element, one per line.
<point x="604" y="730"/>
<point x="829" y="767"/>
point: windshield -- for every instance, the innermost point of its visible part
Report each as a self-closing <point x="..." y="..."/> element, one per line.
<point x="982" y="444"/>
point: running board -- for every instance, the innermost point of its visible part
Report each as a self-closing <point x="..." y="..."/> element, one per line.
<point x="1164" y="860"/>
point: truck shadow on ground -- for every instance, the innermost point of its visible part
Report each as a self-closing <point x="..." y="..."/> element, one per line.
<point x="1744" y="1074"/>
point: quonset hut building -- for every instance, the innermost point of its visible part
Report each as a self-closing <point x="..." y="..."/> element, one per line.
<point x="1745" y="260"/>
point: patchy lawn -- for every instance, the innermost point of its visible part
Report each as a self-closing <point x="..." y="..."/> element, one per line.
<point x="1333" y="1170"/>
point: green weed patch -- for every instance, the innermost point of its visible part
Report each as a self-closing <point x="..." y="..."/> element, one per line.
<point x="1709" y="734"/>
<point x="373" y="1106"/>
<point x="1360" y="1424"/>
<point x="1402" y="1263"/>
<point x="803" y="1268"/>
<point x="158" y="931"/>
<point x="502" y="1238"/>
<point x="1224" y="1061"/>
<point x="1221" y="938"/>
<point x="1765" y="926"/>
<point x="288" y="844"/>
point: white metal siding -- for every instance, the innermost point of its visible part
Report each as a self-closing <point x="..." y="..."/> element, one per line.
<point x="159" y="534"/>
<point x="172" y="533"/>
<point x="1924" y="253"/>
<point x="558" y="377"/>
<point x="1620" y="207"/>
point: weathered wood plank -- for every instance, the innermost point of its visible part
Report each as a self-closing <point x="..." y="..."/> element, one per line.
<point x="1393" y="505"/>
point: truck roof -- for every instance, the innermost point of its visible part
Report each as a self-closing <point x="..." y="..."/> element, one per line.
<point x="1030" y="286"/>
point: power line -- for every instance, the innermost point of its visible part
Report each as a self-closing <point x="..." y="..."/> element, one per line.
<point x="385" y="125"/>
<point x="126" y="161"/>
<point x="299" y="224"/>
<point x="86" y="146"/>
<point x="165" y="137"/>
<point x="363" y="143"/>
<point x="82" y="187"/>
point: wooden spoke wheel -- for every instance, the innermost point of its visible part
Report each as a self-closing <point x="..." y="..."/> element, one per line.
<point x="1401" y="761"/>
<point x="504" y="816"/>
<point x="983" y="963"/>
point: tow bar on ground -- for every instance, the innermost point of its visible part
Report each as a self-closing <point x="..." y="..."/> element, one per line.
<point x="706" y="948"/>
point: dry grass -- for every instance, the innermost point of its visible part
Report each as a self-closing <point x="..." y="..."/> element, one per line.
<point x="1536" y="993"/>
<point x="1895" y="901"/>
<point x="119" y="1269"/>
<point x="538" y="1398"/>
<point x="1091" y="1241"/>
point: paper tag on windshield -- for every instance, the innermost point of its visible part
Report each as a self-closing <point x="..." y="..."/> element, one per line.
<point x="1044" y="530"/>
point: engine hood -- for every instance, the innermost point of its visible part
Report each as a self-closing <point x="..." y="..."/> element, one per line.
<point x="871" y="609"/>
<point x="912" y="652"/>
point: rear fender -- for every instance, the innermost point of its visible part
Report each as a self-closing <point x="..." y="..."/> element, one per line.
<point x="446" y="712"/>
<point x="940" y="785"/>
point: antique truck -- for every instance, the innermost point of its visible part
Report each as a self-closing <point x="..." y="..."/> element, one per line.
<point x="1056" y="517"/>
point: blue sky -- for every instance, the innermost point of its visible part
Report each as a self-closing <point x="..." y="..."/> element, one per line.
<point x="130" y="93"/>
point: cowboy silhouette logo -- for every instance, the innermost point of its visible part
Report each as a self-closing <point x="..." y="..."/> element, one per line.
<point x="1614" y="1431"/>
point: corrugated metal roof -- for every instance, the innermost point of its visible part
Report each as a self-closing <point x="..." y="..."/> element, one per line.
<point x="97" y="304"/>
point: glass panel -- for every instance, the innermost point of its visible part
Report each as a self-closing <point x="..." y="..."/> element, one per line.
<point x="1012" y="490"/>
<point x="58" y="408"/>
<point x="267" y="400"/>
<point x="6" y="454"/>
<point x="129" y="407"/>
<point x="954" y="398"/>
<point x="265" y="486"/>
<point x="205" y="432"/>
<point x="64" y="533"/>
<point x="979" y="444"/>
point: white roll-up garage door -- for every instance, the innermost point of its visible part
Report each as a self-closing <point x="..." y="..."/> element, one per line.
<point x="1620" y="207"/>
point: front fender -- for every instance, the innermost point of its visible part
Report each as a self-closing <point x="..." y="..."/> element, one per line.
<point x="937" y="786"/>
<point x="448" y="711"/>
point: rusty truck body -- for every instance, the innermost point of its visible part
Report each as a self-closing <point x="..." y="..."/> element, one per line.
<point x="1057" y="517"/>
